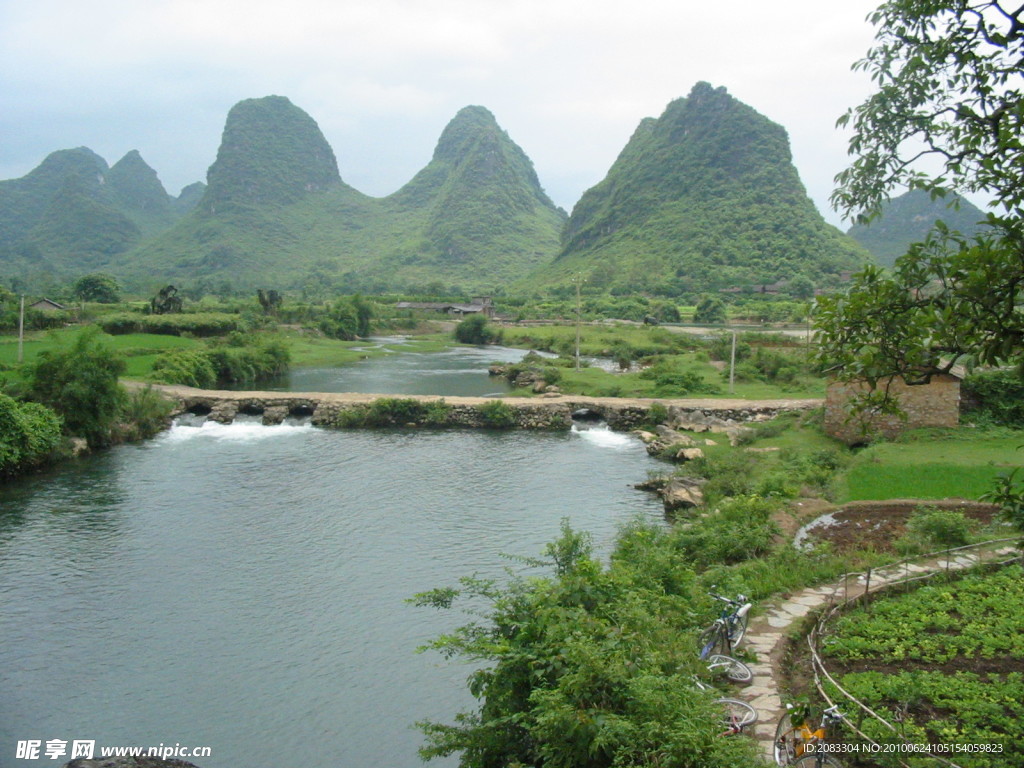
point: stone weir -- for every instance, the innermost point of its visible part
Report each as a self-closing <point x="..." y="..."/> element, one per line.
<point x="332" y="409"/>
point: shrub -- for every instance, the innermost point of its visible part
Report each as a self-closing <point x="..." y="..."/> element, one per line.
<point x="710" y="311"/>
<point x="202" y="324"/>
<point x="29" y="434"/>
<point x="739" y="530"/>
<point x="189" y="367"/>
<point x="80" y="383"/>
<point x="395" y="412"/>
<point x="498" y="414"/>
<point x="945" y="528"/>
<point x="996" y="396"/>
<point x="146" y="412"/>
<point x="476" y="329"/>
<point x="247" y="359"/>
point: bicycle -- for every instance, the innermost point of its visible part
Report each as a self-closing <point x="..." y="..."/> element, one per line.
<point x="799" y="745"/>
<point x="737" y="714"/>
<point x="727" y="631"/>
<point x="734" y="669"/>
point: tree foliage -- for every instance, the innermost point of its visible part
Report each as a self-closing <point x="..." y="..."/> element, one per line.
<point x="476" y="329"/>
<point x="591" y="666"/>
<point x="710" y="310"/>
<point x="29" y="433"/>
<point x="97" y="287"/>
<point x="947" y="115"/>
<point x="350" y="318"/>
<point x="79" y="381"/>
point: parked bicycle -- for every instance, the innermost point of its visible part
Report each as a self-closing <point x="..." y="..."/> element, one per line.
<point x="734" y="669"/>
<point x="800" y="745"/>
<point x="736" y="714"/>
<point x="728" y="629"/>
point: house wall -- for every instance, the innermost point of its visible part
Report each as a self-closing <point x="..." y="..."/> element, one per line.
<point x="936" y="404"/>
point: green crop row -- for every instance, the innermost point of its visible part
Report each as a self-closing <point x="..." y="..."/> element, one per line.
<point x="959" y="713"/>
<point x="977" y="617"/>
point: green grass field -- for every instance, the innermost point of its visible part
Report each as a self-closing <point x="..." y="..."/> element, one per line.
<point x="932" y="464"/>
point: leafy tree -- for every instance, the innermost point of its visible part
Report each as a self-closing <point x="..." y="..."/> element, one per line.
<point x="364" y="315"/>
<point x="166" y="301"/>
<point x="710" y="311"/>
<point x="79" y="381"/>
<point x="588" y="667"/>
<point x="948" y="75"/>
<point x="98" y="287"/>
<point x="475" y="329"/>
<point x="801" y="287"/>
<point x="269" y="300"/>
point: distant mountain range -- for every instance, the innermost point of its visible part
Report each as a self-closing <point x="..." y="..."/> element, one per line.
<point x="74" y="214"/>
<point x="909" y="218"/>
<point x="704" y="197"/>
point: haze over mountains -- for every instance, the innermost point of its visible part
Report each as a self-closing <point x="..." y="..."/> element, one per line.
<point x="704" y="197"/>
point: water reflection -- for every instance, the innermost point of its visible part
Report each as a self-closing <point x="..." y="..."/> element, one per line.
<point x="244" y="587"/>
<point x="458" y="371"/>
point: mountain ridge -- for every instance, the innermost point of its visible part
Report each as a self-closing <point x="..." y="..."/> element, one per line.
<point x="909" y="218"/>
<point x="701" y="198"/>
<point x="704" y="196"/>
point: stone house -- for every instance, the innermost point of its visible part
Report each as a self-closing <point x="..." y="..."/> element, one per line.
<point x="46" y="305"/>
<point x="936" y="404"/>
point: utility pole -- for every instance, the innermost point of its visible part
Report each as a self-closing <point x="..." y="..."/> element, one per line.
<point x="732" y="365"/>
<point x="579" y="278"/>
<point x="21" y="330"/>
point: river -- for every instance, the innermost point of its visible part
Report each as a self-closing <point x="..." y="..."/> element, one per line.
<point x="455" y="372"/>
<point x="243" y="587"/>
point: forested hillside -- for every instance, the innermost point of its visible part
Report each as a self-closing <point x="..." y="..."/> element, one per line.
<point x="706" y="196"/>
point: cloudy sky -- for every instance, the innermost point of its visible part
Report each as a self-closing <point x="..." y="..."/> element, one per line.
<point x="568" y="79"/>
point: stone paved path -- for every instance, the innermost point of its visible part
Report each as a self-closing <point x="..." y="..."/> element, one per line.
<point x="767" y="632"/>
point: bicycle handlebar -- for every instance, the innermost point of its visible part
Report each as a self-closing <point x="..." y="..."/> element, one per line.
<point x="740" y="599"/>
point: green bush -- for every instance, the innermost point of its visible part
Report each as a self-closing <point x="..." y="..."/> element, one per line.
<point x="498" y="414"/>
<point x="395" y="412"/>
<point x="996" y="396"/>
<point x="189" y="367"/>
<point x="738" y="530"/>
<point x="79" y="382"/>
<point x="476" y="329"/>
<point x="944" y="528"/>
<point x="201" y="324"/>
<point x="145" y="413"/>
<point x="246" y="359"/>
<point x="29" y="434"/>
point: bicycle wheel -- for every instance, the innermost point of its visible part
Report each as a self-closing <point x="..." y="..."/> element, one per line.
<point x="817" y="761"/>
<point x="734" y="669"/>
<point x="737" y="629"/>
<point x="787" y="739"/>
<point x="738" y="714"/>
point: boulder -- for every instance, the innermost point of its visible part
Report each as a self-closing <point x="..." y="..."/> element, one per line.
<point x="689" y="454"/>
<point x="682" y="493"/>
<point x="275" y="414"/>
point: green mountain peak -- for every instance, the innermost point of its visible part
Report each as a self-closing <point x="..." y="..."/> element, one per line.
<point x="909" y="218"/>
<point x="704" y="197"/>
<point x="271" y="153"/>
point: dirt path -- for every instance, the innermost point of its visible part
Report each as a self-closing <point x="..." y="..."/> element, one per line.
<point x="768" y="631"/>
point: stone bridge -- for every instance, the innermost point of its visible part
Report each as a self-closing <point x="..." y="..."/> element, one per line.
<point x="546" y="412"/>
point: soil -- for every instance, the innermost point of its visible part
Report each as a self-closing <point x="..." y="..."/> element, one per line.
<point x="878" y="525"/>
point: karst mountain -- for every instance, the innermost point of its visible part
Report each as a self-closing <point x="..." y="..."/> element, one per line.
<point x="704" y="197"/>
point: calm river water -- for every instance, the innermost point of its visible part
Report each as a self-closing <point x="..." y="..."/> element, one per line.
<point x="242" y="587"/>
<point x="456" y="372"/>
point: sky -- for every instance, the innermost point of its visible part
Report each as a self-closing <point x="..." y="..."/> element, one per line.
<point x="569" y="80"/>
